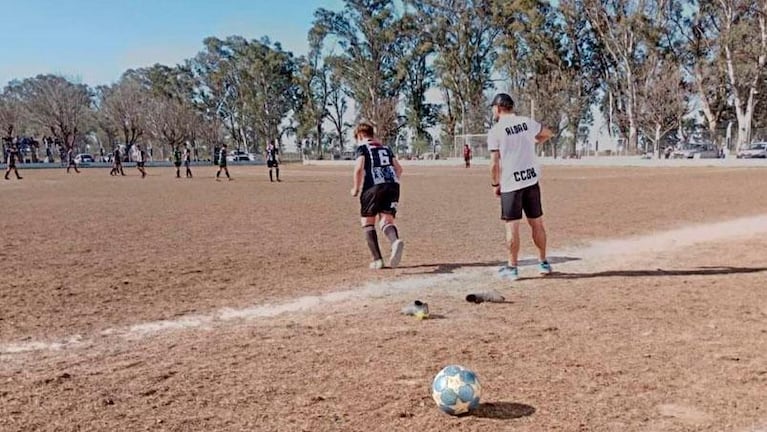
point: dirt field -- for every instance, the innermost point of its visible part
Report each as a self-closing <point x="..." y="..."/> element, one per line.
<point x="661" y="335"/>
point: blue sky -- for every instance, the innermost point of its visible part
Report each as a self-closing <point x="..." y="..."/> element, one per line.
<point x="94" y="41"/>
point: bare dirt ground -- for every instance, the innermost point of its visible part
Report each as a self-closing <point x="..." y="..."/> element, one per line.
<point x="667" y="340"/>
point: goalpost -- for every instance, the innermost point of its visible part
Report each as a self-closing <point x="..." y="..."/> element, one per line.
<point x="477" y="142"/>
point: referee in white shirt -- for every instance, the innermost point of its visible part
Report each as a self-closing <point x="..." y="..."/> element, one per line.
<point x="515" y="174"/>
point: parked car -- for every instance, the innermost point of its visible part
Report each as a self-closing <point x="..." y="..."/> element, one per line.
<point x="695" y="151"/>
<point x="239" y="155"/>
<point x="754" y="151"/>
<point x="84" y="158"/>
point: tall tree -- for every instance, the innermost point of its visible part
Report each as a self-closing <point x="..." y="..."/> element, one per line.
<point x="369" y="33"/>
<point x="53" y="103"/>
<point x="123" y="107"/>
<point x="314" y="91"/>
<point x="337" y="108"/>
<point x="464" y="35"/>
<point x="419" y="77"/>
<point x="742" y="27"/>
<point x="627" y="32"/>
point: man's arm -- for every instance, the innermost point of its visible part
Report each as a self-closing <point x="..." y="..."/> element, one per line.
<point x="544" y="135"/>
<point x="495" y="170"/>
<point x="359" y="171"/>
<point x="397" y="167"/>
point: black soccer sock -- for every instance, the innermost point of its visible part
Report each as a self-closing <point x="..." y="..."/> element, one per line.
<point x="277" y="170"/>
<point x="218" y="173"/>
<point x="372" y="238"/>
<point x="390" y="231"/>
<point x="227" y="173"/>
<point x="271" y="178"/>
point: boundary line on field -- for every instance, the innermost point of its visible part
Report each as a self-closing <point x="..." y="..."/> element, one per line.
<point x="607" y="249"/>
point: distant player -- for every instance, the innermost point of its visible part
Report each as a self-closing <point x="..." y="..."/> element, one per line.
<point x="177" y="160"/>
<point x="376" y="176"/>
<point x="515" y="174"/>
<point x="273" y="160"/>
<point x="117" y="163"/>
<point x="467" y="155"/>
<point x="71" y="160"/>
<point x="187" y="160"/>
<point x="222" y="163"/>
<point x="12" y="155"/>
<point x="140" y="156"/>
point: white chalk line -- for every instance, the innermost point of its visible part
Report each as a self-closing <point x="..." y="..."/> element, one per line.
<point x="605" y="250"/>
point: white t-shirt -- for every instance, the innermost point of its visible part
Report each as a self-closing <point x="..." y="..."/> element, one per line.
<point x="514" y="137"/>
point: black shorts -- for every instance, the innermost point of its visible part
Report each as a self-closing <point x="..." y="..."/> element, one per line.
<point x="527" y="200"/>
<point x="272" y="164"/>
<point x="140" y="164"/>
<point x="382" y="198"/>
<point x="177" y="164"/>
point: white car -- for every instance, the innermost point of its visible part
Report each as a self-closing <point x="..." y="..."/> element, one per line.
<point x="84" y="158"/>
<point x="239" y="155"/>
<point x="695" y="151"/>
<point x="755" y="151"/>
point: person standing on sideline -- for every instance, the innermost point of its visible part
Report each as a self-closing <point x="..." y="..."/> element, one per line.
<point x="71" y="162"/>
<point x="273" y="160"/>
<point x="11" y="157"/>
<point x="467" y="155"/>
<point x="140" y="157"/>
<point x="222" y="163"/>
<point x="376" y="175"/>
<point x="515" y="174"/>
<point x="187" y="161"/>
<point x="177" y="159"/>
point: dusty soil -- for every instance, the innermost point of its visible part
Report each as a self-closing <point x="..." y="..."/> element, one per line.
<point x="608" y="345"/>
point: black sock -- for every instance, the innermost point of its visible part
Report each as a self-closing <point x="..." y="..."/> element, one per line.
<point x="218" y="173"/>
<point x="372" y="238"/>
<point x="227" y="174"/>
<point x="277" y="170"/>
<point x="270" y="175"/>
<point x="390" y="231"/>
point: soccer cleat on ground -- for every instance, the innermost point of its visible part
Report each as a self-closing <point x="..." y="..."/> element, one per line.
<point x="396" y="253"/>
<point x="508" y="273"/>
<point x="417" y="309"/>
<point x="544" y="268"/>
<point x="487" y="296"/>
<point x="377" y="265"/>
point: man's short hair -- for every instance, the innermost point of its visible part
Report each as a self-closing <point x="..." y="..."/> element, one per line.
<point x="365" y="129"/>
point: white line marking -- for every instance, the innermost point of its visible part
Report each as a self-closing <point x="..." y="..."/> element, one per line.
<point x="609" y="250"/>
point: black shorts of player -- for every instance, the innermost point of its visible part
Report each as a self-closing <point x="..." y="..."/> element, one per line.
<point x="140" y="164"/>
<point x="527" y="200"/>
<point x="379" y="199"/>
<point x="177" y="164"/>
<point x="272" y="164"/>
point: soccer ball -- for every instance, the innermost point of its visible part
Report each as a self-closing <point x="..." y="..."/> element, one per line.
<point x="456" y="390"/>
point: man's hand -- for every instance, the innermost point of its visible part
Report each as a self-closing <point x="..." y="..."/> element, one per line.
<point x="497" y="191"/>
<point x="354" y="192"/>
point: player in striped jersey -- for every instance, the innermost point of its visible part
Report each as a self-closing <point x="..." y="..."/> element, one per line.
<point x="376" y="181"/>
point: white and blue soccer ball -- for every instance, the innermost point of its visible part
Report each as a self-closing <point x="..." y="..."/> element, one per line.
<point x="456" y="390"/>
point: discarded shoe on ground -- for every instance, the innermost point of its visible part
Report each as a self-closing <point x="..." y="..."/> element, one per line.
<point x="417" y="309"/>
<point x="487" y="296"/>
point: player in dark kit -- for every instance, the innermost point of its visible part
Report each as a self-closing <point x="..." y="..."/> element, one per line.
<point x="187" y="161"/>
<point x="222" y="163"/>
<point x="177" y="160"/>
<point x="467" y="155"/>
<point x="273" y="160"/>
<point x="72" y="163"/>
<point x="11" y="158"/>
<point x="141" y="160"/>
<point x="117" y="163"/>
<point x="376" y="176"/>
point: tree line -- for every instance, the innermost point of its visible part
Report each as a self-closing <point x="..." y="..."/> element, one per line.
<point x="652" y="67"/>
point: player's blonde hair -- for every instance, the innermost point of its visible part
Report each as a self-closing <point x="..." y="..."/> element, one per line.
<point x="365" y="129"/>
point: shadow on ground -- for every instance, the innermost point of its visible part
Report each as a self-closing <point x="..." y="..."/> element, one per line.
<point x="448" y="268"/>
<point x="503" y="410"/>
<point x="700" y="271"/>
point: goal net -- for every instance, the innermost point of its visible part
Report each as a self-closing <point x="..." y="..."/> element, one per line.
<point x="478" y="144"/>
